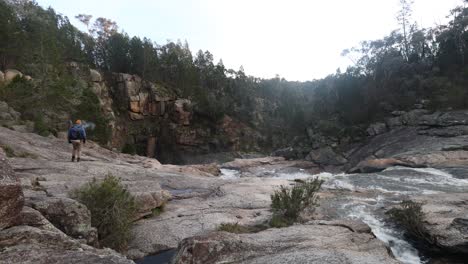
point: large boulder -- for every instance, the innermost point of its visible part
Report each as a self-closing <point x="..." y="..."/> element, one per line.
<point x="376" y="129"/>
<point x="2" y="77"/>
<point x="308" y="243"/>
<point x="8" y="114"/>
<point x="11" y="194"/>
<point x="445" y="219"/>
<point x="95" y="75"/>
<point x="37" y="245"/>
<point x="147" y="201"/>
<point x="182" y="113"/>
<point x="68" y="215"/>
<point x="11" y="74"/>
<point x="287" y="153"/>
<point x="326" y="156"/>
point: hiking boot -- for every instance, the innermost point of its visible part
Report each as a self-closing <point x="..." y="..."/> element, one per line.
<point x="73" y="158"/>
<point x="78" y="160"/>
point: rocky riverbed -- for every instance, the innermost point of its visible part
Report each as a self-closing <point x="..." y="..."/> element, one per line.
<point x="42" y="224"/>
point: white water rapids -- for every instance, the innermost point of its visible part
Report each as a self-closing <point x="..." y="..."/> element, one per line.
<point x="387" y="187"/>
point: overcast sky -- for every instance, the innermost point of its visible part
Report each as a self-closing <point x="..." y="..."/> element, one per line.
<point x="297" y="39"/>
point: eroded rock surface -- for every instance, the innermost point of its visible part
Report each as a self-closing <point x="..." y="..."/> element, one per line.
<point x="28" y="244"/>
<point x="308" y="243"/>
<point x="11" y="195"/>
<point x="446" y="219"/>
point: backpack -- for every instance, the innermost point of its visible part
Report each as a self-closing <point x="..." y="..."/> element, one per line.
<point x="75" y="133"/>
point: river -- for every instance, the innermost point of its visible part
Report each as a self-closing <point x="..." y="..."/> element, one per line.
<point x="365" y="197"/>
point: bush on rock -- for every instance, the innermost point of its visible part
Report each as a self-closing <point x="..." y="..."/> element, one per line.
<point x="112" y="209"/>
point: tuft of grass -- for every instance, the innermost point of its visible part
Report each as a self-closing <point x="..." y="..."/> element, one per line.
<point x="233" y="228"/>
<point x="112" y="210"/>
<point x="288" y="203"/>
<point x="410" y="217"/>
<point x="240" y="229"/>
<point x="10" y="153"/>
<point x="27" y="155"/>
<point x="158" y="210"/>
<point x="279" y="221"/>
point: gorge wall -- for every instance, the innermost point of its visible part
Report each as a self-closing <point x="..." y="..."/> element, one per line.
<point x="150" y="119"/>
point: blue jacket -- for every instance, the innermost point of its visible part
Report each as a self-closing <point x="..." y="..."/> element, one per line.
<point x="77" y="132"/>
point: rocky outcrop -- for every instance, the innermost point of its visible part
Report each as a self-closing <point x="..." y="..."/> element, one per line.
<point x="29" y="244"/>
<point x="447" y="221"/>
<point x="66" y="214"/>
<point x="326" y="156"/>
<point x="376" y="129"/>
<point x="421" y="139"/>
<point x="182" y="113"/>
<point x="287" y="153"/>
<point x="202" y="206"/>
<point x="95" y="76"/>
<point x="143" y="98"/>
<point x="8" y="116"/>
<point x="48" y="179"/>
<point x="296" y="244"/>
<point x="11" y="194"/>
<point x="11" y="74"/>
<point x="147" y="201"/>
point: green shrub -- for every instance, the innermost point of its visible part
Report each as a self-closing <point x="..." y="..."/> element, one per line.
<point x="40" y="127"/>
<point x="288" y="203"/>
<point x="90" y="110"/>
<point x="129" y="149"/>
<point x="112" y="210"/>
<point x="410" y="217"/>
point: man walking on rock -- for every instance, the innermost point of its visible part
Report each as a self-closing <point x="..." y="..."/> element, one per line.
<point x="76" y="137"/>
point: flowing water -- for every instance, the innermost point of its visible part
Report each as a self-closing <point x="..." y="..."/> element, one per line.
<point x="365" y="197"/>
<point x="371" y="193"/>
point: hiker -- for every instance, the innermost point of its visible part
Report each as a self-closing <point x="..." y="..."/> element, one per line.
<point x="76" y="136"/>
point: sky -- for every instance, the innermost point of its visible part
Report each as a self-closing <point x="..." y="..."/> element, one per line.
<point x="296" y="39"/>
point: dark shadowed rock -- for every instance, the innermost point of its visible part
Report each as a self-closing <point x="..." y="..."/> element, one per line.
<point x="452" y="131"/>
<point x="326" y="156"/>
<point x="376" y="129"/>
<point x="287" y="153"/>
<point x="11" y="194"/>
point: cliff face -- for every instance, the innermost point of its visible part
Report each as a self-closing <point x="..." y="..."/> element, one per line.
<point x="152" y="120"/>
<point x="143" y="117"/>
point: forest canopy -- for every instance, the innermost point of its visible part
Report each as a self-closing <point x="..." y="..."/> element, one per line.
<point x="396" y="72"/>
